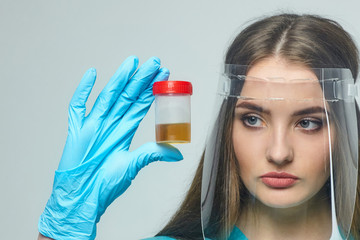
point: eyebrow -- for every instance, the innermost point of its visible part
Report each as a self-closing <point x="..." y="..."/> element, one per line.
<point x="309" y="110"/>
<point x="255" y="107"/>
<point x="252" y="106"/>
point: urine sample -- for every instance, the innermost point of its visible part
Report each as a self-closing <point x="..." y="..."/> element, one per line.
<point x="172" y="111"/>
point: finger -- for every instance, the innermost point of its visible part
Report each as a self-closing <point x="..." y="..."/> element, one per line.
<point x="77" y="107"/>
<point x="119" y="134"/>
<point x="128" y="124"/>
<point x="114" y="87"/>
<point x="151" y="152"/>
<point x="163" y="75"/>
<point x="140" y="81"/>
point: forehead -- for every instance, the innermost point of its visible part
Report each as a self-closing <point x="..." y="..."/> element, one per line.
<point x="275" y="67"/>
<point x="278" y="79"/>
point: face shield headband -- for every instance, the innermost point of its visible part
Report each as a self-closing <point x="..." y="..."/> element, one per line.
<point x="281" y="141"/>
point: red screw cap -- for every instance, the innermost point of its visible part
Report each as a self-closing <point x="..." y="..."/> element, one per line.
<point x="175" y="87"/>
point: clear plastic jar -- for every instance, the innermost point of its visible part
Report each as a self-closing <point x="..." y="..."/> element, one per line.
<point x="172" y="111"/>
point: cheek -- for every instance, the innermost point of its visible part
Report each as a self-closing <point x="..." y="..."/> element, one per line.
<point x="248" y="150"/>
<point x="314" y="158"/>
<point x="313" y="147"/>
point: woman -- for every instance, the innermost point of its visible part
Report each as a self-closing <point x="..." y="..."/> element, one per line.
<point x="251" y="182"/>
<point x="297" y="41"/>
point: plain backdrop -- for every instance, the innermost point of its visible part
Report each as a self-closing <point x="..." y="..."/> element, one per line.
<point x="47" y="45"/>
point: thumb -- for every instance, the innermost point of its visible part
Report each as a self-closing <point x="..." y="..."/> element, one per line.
<point x="151" y="152"/>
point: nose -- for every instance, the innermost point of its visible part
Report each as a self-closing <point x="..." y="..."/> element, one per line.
<point x="279" y="150"/>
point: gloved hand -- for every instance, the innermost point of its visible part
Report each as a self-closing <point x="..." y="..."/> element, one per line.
<point x="96" y="166"/>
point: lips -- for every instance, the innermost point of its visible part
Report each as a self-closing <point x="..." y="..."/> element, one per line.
<point x="279" y="179"/>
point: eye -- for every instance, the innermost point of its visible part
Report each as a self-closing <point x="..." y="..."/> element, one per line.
<point x="252" y="121"/>
<point x="310" y="125"/>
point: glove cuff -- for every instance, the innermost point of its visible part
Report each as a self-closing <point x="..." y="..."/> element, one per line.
<point x="60" y="231"/>
<point x="72" y="210"/>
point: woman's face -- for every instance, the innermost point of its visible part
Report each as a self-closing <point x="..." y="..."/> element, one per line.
<point x="281" y="143"/>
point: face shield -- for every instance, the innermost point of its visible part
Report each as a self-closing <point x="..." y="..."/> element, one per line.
<point x="281" y="144"/>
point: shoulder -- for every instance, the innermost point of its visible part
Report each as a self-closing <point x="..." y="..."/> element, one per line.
<point x="159" y="238"/>
<point x="165" y="238"/>
<point x="236" y="234"/>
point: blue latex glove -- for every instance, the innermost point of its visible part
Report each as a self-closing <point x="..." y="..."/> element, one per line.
<point x="96" y="166"/>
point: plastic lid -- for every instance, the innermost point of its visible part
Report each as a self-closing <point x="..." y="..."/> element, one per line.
<point x="166" y="87"/>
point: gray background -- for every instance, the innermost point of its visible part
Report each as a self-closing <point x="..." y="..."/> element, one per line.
<point x="46" y="46"/>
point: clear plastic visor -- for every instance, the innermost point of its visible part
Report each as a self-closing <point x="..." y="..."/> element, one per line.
<point x="281" y="147"/>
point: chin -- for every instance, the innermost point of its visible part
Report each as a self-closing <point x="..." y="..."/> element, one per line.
<point x="283" y="202"/>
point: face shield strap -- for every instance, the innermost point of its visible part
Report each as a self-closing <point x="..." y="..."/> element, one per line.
<point x="334" y="89"/>
<point x="355" y="91"/>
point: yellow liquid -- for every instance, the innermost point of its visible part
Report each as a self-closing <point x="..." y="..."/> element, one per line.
<point x="173" y="133"/>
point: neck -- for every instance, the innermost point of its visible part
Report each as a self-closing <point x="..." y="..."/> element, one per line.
<point x="310" y="220"/>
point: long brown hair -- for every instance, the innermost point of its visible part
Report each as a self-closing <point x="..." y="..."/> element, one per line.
<point x="309" y="40"/>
